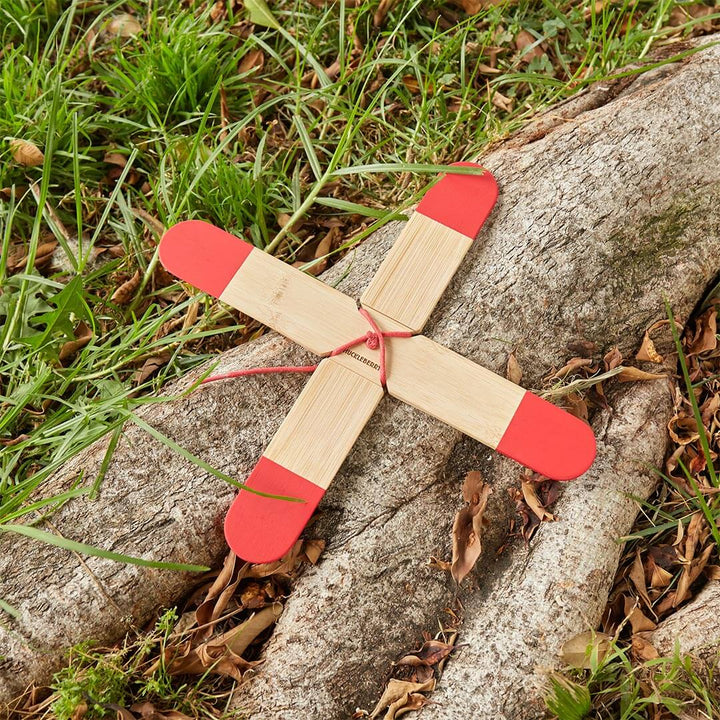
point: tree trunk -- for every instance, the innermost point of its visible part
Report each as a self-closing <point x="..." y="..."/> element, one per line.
<point x="601" y="213"/>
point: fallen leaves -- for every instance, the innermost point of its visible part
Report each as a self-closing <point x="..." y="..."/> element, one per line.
<point x="580" y="650"/>
<point x="400" y="697"/>
<point x="220" y="634"/>
<point x="124" y="294"/>
<point x="532" y="502"/>
<point x="512" y="371"/>
<point x="26" y="153"/>
<point x="414" y="674"/>
<point x="468" y="526"/>
<point x="223" y="654"/>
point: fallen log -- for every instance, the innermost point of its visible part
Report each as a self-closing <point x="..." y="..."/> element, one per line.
<point x="599" y="216"/>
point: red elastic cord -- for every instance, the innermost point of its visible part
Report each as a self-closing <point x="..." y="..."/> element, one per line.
<point x="373" y="338"/>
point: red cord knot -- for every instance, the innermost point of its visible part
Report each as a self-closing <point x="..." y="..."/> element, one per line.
<point x="373" y="338"/>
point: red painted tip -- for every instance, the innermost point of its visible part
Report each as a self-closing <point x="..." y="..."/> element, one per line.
<point x="548" y="440"/>
<point x="259" y="529"/>
<point x="461" y="202"/>
<point x="203" y="255"/>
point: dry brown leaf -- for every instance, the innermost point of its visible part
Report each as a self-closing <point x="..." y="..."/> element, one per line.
<point x="14" y="441"/>
<point x="576" y="405"/>
<point x="80" y="711"/>
<point x="637" y="575"/>
<point x="712" y="572"/>
<point x="513" y="372"/>
<point x="420" y="662"/>
<point x="502" y="102"/>
<point x="638" y="620"/>
<point x="577" y="651"/>
<point x="115" y="158"/>
<point x="222" y="655"/>
<point x="524" y="40"/>
<point x="150" y="367"/>
<point x="468" y="526"/>
<point x="414" y="701"/>
<point x="705" y="335"/>
<point x="411" y="84"/>
<point x="313" y="549"/>
<point x="631" y="374"/>
<point x="613" y="359"/>
<point x="252" y="60"/>
<point x="571" y="367"/>
<point x="531" y="498"/>
<point x="149" y="711"/>
<point x="83" y="335"/>
<point x="397" y="690"/>
<point x="683" y="430"/>
<point x="43" y="255"/>
<point x="690" y="574"/>
<point x="642" y="649"/>
<point x="124" y="26"/>
<point x="659" y="576"/>
<point x="125" y="293"/>
<point x="647" y="351"/>
<point x="26" y="153"/>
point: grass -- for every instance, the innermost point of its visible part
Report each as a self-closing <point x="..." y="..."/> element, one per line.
<point x="278" y="123"/>
<point x="615" y="686"/>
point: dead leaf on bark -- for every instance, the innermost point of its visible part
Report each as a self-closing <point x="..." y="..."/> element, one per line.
<point x="528" y="491"/>
<point x="418" y="666"/>
<point x="704" y="337"/>
<point x="612" y="359"/>
<point x="468" y="526"/>
<point x="26" y="153"/>
<point x="572" y="367"/>
<point x="398" y="694"/>
<point x="647" y="351"/>
<point x="578" y="651"/>
<point x="632" y="374"/>
<point x="513" y="372"/>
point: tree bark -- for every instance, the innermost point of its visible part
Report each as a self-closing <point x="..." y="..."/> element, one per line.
<point x="694" y="627"/>
<point x="600" y="216"/>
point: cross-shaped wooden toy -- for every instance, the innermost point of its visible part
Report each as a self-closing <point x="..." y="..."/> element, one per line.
<point x="360" y="365"/>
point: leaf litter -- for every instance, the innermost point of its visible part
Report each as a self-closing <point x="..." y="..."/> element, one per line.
<point x="217" y="636"/>
<point x="666" y="562"/>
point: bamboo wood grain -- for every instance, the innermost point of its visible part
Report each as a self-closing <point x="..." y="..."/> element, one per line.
<point x="297" y="305"/>
<point x="452" y="388"/>
<point x="416" y="271"/>
<point x="324" y="422"/>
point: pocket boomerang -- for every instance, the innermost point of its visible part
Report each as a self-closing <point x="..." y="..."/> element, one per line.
<point x="343" y="392"/>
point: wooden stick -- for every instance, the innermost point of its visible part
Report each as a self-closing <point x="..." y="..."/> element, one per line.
<point x="297" y="305"/>
<point x="301" y="461"/>
<point x="489" y="408"/>
<point x="430" y="248"/>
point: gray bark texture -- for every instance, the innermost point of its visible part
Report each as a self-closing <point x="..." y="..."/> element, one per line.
<point x="605" y="206"/>
<point x="695" y="627"/>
